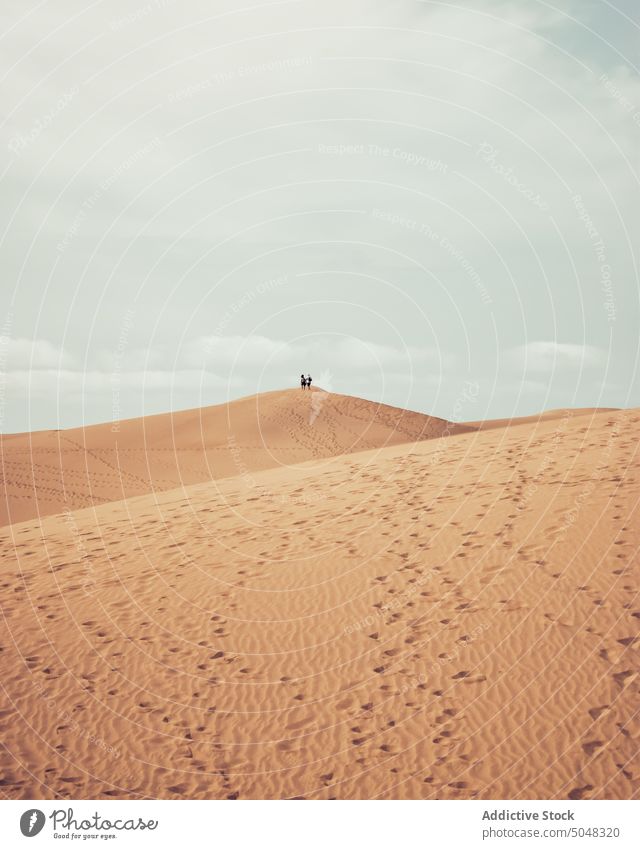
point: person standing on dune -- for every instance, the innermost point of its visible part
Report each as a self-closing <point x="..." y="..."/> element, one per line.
<point x="303" y="382"/>
<point x="308" y="381"/>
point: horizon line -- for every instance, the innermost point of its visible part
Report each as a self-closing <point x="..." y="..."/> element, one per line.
<point x="479" y="423"/>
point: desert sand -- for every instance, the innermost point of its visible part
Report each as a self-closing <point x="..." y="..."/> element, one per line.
<point x="341" y="608"/>
<point x="57" y="470"/>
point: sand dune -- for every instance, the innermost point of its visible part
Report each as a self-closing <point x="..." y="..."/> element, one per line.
<point x="53" y="471"/>
<point x="548" y="415"/>
<point x="454" y="618"/>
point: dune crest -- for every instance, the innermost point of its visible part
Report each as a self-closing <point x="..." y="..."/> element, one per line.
<point x="450" y="618"/>
<point x="52" y="471"/>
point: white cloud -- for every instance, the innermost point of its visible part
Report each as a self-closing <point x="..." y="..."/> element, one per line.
<point x="54" y="383"/>
<point x="24" y="353"/>
<point x="551" y="356"/>
<point x="220" y="354"/>
<point x="180" y="161"/>
<point x="209" y="360"/>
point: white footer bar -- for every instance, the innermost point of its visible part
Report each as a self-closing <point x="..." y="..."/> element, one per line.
<point x="321" y="825"/>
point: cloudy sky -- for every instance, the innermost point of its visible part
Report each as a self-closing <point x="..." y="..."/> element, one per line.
<point x="203" y="199"/>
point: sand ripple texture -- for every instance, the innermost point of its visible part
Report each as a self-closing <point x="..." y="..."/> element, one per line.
<point x="346" y="609"/>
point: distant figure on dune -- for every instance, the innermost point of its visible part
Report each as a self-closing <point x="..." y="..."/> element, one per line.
<point x="308" y="381"/>
<point x="303" y="382"/>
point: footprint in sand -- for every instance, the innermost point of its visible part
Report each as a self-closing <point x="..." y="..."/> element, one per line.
<point x="621" y="677"/>
<point x="579" y="792"/>
<point x="596" y="712"/>
<point x="591" y="746"/>
<point x="178" y="789"/>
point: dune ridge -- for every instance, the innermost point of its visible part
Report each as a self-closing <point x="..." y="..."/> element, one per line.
<point x="50" y="472"/>
<point x="450" y="618"/>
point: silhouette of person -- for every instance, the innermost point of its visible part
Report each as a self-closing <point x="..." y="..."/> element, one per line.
<point x="303" y="382"/>
<point x="308" y="381"/>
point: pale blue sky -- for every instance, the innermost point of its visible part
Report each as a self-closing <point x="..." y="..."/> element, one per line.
<point x="201" y="201"/>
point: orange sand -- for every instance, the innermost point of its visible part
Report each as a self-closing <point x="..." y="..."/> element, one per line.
<point x="56" y="470"/>
<point x="442" y="618"/>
